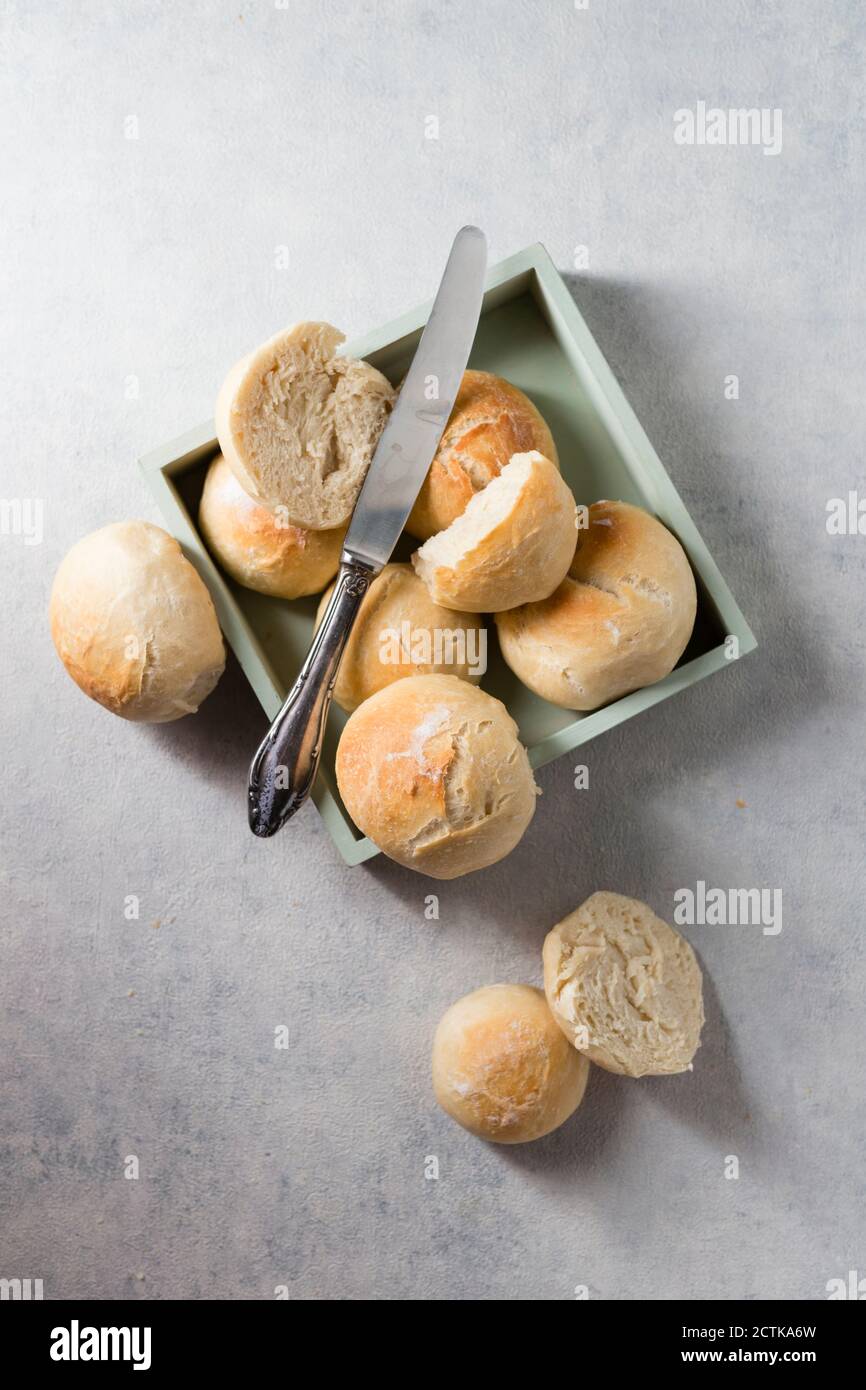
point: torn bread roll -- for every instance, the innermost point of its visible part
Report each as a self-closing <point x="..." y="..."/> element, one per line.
<point x="432" y="770"/>
<point x="134" y="624"/>
<point x="258" y="546"/>
<point x="511" y="545"/>
<point x="624" y="987"/>
<point x="298" y="425"/>
<point x="399" y="632"/>
<point x="491" y="421"/>
<point x="502" y="1068"/>
<point x="619" y="621"/>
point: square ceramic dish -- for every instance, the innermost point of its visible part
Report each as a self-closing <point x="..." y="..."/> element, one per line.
<point x="532" y="333"/>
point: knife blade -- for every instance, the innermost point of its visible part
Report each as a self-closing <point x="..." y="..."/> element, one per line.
<point x="284" y="768"/>
<point x="411" y="436"/>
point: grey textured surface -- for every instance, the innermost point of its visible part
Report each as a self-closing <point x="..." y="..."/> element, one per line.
<point x="134" y="271"/>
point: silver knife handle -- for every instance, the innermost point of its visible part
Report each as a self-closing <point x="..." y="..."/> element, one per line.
<point x="284" y="768"/>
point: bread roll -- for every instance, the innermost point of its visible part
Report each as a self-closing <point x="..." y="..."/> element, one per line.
<point x="400" y="632"/>
<point x="298" y="425"/>
<point x="432" y="770"/>
<point x="257" y="547"/>
<point x="491" y="421"/>
<point x="134" y="625"/>
<point x="501" y="1067"/>
<point x="620" y="620"/>
<point x="512" y="544"/>
<point x="624" y="987"/>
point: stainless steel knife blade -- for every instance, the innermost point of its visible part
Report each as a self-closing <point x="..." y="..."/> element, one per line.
<point x="411" y="436"/>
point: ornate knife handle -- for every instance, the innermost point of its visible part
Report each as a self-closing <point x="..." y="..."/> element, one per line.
<point x="284" y="768"/>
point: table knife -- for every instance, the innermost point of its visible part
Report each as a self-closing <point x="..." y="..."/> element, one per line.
<point x="284" y="768"/>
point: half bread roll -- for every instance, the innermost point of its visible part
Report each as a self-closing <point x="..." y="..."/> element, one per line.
<point x="511" y="545"/>
<point x="624" y="987"/>
<point x="298" y="425"/>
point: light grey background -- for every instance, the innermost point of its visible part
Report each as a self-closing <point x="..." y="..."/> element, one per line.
<point x="149" y="264"/>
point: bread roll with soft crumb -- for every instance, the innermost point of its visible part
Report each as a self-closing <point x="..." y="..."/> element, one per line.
<point x="624" y="987"/>
<point x="134" y="624"/>
<point x="511" y="545"/>
<point x="502" y="1068"/>
<point x="620" y="620"/>
<point x="257" y="546"/>
<point x="432" y="770"/>
<point x="491" y="421"/>
<point x="298" y="425"/>
<point x="399" y="632"/>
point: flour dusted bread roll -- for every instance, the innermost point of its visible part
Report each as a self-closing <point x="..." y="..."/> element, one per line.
<point x="298" y="425"/>
<point x="257" y="546"/>
<point x="491" y="421"/>
<point x="624" y="987"/>
<point x="620" y="620"/>
<point x="512" y="544"/>
<point x="432" y="770"/>
<point x="134" y="625"/>
<point x="502" y="1068"/>
<point x="400" y="631"/>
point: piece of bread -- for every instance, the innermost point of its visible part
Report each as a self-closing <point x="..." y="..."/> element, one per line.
<point x="502" y="1068"/>
<point x="620" y="620"/>
<point x="624" y="987"/>
<point x="491" y="421"/>
<point x="298" y="425"/>
<point x="400" y="631"/>
<point x="134" y="624"/>
<point x="257" y="546"/>
<point x="432" y="770"/>
<point x="511" y="545"/>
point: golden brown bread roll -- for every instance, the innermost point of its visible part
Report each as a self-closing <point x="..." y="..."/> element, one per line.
<point x="399" y="632"/>
<point x="134" y="624"/>
<point x="503" y="1069"/>
<point x="513" y="543"/>
<point x="620" y="620"/>
<point x="491" y="421"/>
<point x="624" y="987"/>
<point x="257" y="546"/>
<point x="432" y="770"/>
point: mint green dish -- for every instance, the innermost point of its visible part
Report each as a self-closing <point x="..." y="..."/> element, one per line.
<point x="532" y="333"/>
